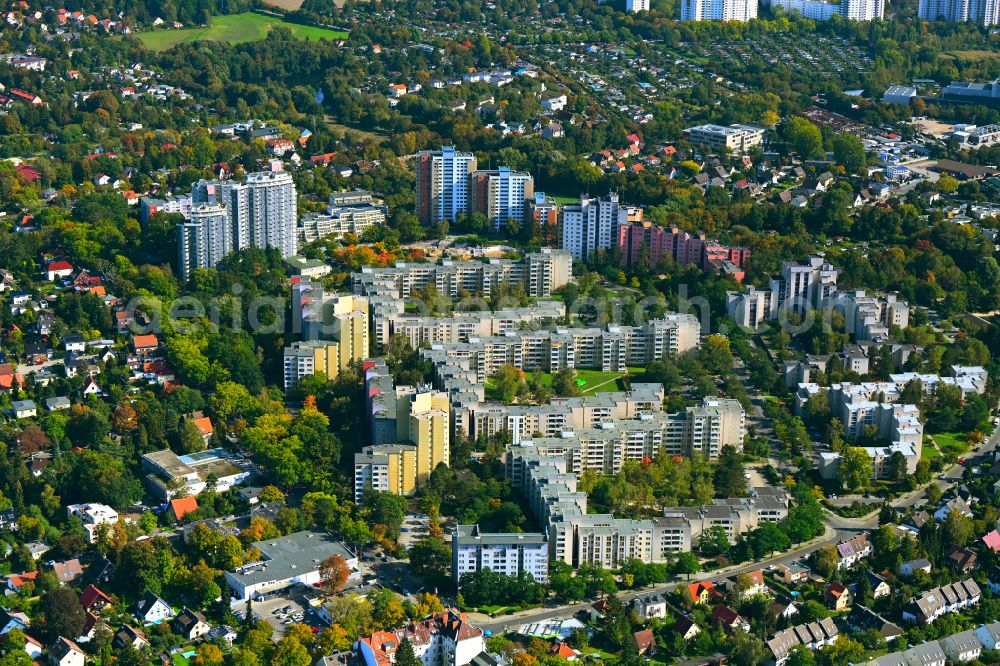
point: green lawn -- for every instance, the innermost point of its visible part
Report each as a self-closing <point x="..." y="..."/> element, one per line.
<point x="951" y="442"/>
<point x="927" y="451"/>
<point x="594" y="381"/>
<point x="563" y="199"/>
<point x="235" y="29"/>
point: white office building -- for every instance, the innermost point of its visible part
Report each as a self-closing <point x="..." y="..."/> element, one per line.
<point x="737" y="138"/>
<point x="92" y="516"/>
<point x="506" y="553"/>
<point x="718" y="10"/>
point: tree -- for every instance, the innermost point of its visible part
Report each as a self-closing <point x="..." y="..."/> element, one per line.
<point x="957" y="529"/>
<point x="729" y="473"/>
<point x="564" y="383"/>
<point x="333" y="573"/>
<point x="686" y="563"/>
<point x="507" y="381"/>
<point x="746" y="649"/>
<point x="855" y="468"/>
<point x="430" y="557"/>
<point x="64" y="616"/>
<point x="405" y="655"/>
<point x="898" y="470"/>
<point x="803" y="137"/>
<point x="826" y="560"/>
<point x="848" y="151"/>
<point x="387" y="609"/>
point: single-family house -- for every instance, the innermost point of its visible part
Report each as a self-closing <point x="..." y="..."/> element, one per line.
<point x="191" y="624"/>
<point x="58" y="269"/>
<point x="853" y="550"/>
<point x="913" y="566"/>
<point x="837" y="596"/>
<point x="65" y="652"/>
<point x="644" y="642"/>
<point x="130" y="636"/>
<point x="93" y="600"/>
<point x="152" y="609"/>
<point x="725" y="617"/>
<point x="654" y="605"/>
<point x="686" y="628"/>
<point x="961" y="559"/>
<point x="68" y="571"/>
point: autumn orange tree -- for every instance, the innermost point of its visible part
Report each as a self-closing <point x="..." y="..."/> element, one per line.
<point x="333" y="573"/>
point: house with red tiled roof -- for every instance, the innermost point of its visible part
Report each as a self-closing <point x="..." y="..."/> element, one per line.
<point x="725" y="617"/>
<point x="145" y="346"/>
<point x="58" y="269"/>
<point x="16" y="581"/>
<point x="182" y="506"/>
<point x="205" y="427"/>
<point x="92" y="599"/>
<point x="700" y="593"/>
<point x="837" y="596"/>
<point x="29" y="173"/>
<point x="644" y="642"/>
<point x="447" y="633"/>
<point x="564" y="651"/>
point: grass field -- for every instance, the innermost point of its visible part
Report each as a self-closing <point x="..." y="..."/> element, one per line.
<point x="563" y="199"/>
<point x="951" y="442"/>
<point x="235" y="29"/>
<point x="594" y="381"/>
<point x="973" y="55"/>
<point x="927" y="451"/>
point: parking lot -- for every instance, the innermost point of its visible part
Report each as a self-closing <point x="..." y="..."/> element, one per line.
<point x="281" y="613"/>
<point x="413" y="529"/>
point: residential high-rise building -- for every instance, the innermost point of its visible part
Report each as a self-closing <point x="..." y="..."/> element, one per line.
<point x="349" y="212"/>
<point x="633" y="6"/>
<point x="506" y="553"/>
<point x="718" y="10"/>
<point x="820" y="10"/>
<point x="442" y="184"/>
<point x="500" y="195"/>
<point x="592" y="224"/>
<point x="303" y="359"/>
<point x="716" y="423"/>
<point x="983" y="12"/>
<point x="387" y="468"/>
<point x="260" y="212"/>
<point x="862" y="10"/>
<point x="322" y="318"/>
<point x="203" y="239"/>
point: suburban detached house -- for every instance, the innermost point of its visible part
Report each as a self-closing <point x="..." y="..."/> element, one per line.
<point x="191" y="624"/>
<point x="65" y="652"/>
<point x="654" y="605"/>
<point x="130" y="636"/>
<point x="913" y="566"/>
<point x="92" y="599"/>
<point x="153" y="609"/>
<point x="728" y="619"/>
<point x="837" y="596"/>
<point x="12" y="620"/>
<point x="58" y="269"/>
<point x="686" y="628"/>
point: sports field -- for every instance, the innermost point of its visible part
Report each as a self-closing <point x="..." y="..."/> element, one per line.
<point x="235" y="29"/>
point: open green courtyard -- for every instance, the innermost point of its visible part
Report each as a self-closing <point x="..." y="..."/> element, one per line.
<point x="951" y="443"/>
<point x="235" y="29"/>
